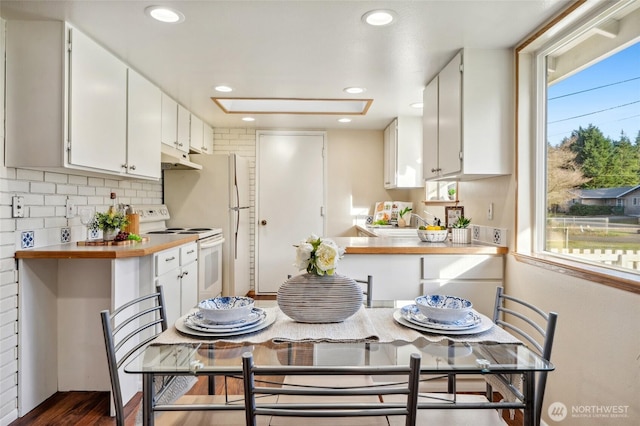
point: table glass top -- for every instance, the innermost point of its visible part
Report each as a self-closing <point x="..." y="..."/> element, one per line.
<point x="437" y="357"/>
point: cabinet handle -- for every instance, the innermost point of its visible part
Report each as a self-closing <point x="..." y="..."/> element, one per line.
<point x="169" y="259"/>
<point x="436" y="170"/>
<point x="183" y="274"/>
<point x="179" y="144"/>
<point x="132" y="167"/>
<point x="190" y="251"/>
<point x="125" y="166"/>
<point x="204" y="148"/>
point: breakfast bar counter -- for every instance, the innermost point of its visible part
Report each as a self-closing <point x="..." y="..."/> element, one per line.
<point x="412" y="245"/>
<point x="156" y="243"/>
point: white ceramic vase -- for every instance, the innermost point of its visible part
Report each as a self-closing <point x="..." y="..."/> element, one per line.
<point x="110" y="234"/>
<point x="313" y="298"/>
<point x="461" y="235"/>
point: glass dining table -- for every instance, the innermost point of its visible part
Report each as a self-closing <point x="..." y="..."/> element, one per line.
<point x="444" y="356"/>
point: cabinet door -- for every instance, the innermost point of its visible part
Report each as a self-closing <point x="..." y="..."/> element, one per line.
<point x="97" y="106"/>
<point x="390" y="159"/>
<point x="169" y="121"/>
<point x="430" y="129"/>
<point x="409" y="152"/>
<point x="171" y="287"/>
<point x="207" y="139"/>
<point x="184" y="129"/>
<point x="450" y="117"/>
<point x="188" y="287"/>
<point x="195" y="139"/>
<point x="144" y="127"/>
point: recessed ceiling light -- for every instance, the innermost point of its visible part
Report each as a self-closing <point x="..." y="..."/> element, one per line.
<point x="379" y="17"/>
<point x="354" y="90"/>
<point x="416" y="105"/>
<point x="344" y="120"/>
<point x="164" y="14"/>
<point x="248" y="119"/>
<point x="224" y="89"/>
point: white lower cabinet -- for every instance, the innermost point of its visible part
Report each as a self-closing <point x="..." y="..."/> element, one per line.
<point x="395" y="276"/>
<point x="176" y="270"/>
<point x="474" y="277"/>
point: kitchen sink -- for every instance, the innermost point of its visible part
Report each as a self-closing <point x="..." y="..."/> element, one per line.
<point x="395" y="232"/>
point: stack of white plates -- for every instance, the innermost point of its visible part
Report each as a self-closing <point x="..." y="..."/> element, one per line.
<point x="196" y="324"/>
<point x="410" y="316"/>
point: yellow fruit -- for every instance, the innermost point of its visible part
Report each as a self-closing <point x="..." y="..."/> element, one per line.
<point x="433" y="228"/>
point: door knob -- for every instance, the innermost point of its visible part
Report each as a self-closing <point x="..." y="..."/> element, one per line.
<point x="263" y="222"/>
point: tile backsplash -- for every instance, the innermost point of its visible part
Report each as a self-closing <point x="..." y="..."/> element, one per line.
<point x="489" y="235"/>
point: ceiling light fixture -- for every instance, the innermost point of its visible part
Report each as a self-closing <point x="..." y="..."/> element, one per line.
<point x="224" y="89"/>
<point x="379" y="17"/>
<point x="344" y="120"/>
<point x="354" y="90"/>
<point x="164" y="14"/>
<point x="417" y="105"/>
<point x="248" y="119"/>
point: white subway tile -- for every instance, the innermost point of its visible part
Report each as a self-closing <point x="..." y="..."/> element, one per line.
<point x="55" y="177"/>
<point x="7" y="225"/>
<point x="38" y="211"/>
<point x="25" y="174"/>
<point x="43" y="187"/>
<point x="77" y="180"/>
<point x="28" y="224"/>
<point x="55" y="200"/>
<point x="93" y="181"/>
<point x="67" y="189"/>
<point x="17" y="186"/>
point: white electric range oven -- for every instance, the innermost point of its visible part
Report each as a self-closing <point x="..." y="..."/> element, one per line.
<point x="210" y="242"/>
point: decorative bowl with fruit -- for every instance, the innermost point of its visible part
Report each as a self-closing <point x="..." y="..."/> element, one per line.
<point x="433" y="233"/>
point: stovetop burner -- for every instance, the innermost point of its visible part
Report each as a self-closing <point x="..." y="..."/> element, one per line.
<point x="153" y="221"/>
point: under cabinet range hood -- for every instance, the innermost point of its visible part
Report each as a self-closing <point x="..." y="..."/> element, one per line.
<point x="175" y="159"/>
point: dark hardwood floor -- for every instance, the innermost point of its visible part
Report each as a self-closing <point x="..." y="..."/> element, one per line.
<point x="92" y="408"/>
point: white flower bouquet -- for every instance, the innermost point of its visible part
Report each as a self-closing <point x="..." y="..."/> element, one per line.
<point x="318" y="255"/>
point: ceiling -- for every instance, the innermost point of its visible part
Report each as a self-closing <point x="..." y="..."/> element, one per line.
<point x="295" y="49"/>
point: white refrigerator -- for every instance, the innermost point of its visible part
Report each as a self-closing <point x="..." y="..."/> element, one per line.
<point x="217" y="197"/>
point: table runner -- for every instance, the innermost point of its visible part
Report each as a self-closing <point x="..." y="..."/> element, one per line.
<point x="366" y="325"/>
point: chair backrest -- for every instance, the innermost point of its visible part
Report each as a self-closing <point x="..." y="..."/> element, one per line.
<point x="343" y="407"/>
<point x="543" y="326"/>
<point x="368" y="291"/>
<point x="126" y="331"/>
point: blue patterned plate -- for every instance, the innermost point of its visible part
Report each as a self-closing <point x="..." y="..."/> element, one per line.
<point x="196" y="321"/>
<point x="412" y="314"/>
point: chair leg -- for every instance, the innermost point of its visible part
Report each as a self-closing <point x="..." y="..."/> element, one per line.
<point x="249" y="397"/>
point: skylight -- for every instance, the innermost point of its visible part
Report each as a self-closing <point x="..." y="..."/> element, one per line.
<point x="293" y="106"/>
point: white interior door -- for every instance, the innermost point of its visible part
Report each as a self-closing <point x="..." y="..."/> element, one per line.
<point x="290" y="201"/>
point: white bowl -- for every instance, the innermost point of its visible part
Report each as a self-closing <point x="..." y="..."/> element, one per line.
<point x="226" y="309"/>
<point x="444" y="308"/>
<point x="433" y="236"/>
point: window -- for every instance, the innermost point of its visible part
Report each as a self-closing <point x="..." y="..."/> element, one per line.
<point x="588" y="138"/>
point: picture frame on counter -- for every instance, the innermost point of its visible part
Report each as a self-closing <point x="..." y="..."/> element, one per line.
<point x="451" y="214"/>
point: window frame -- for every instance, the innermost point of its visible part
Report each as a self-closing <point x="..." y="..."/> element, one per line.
<point x="531" y="118"/>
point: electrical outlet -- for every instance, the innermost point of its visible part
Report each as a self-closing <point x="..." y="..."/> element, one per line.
<point x="17" y="206"/>
<point x="69" y="209"/>
<point x="490" y="212"/>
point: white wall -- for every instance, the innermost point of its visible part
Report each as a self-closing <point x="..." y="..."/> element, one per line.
<point x="355" y="181"/>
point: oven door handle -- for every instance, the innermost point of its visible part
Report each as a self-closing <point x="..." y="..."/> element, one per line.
<point x="214" y="243"/>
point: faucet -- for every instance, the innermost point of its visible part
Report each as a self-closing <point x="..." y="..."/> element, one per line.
<point x="436" y="221"/>
<point x="420" y="219"/>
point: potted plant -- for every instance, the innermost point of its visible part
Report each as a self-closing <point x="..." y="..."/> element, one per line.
<point x="110" y="223"/>
<point x="401" y="220"/>
<point x="452" y="193"/>
<point x="460" y="232"/>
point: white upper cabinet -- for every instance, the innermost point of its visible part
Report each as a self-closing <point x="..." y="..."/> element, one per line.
<point x="184" y="129"/>
<point x="97" y="106"/>
<point x="207" y="139"/>
<point x="468" y="117"/>
<point x="169" y="121"/>
<point x="67" y="104"/>
<point x="403" y="153"/>
<point x="144" y="130"/>
<point x="195" y="141"/>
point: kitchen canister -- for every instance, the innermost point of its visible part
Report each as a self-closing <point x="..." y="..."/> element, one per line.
<point x="313" y="298"/>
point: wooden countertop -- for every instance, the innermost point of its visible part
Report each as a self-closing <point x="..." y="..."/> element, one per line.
<point x="410" y="245"/>
<point x="156" y="243"/>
